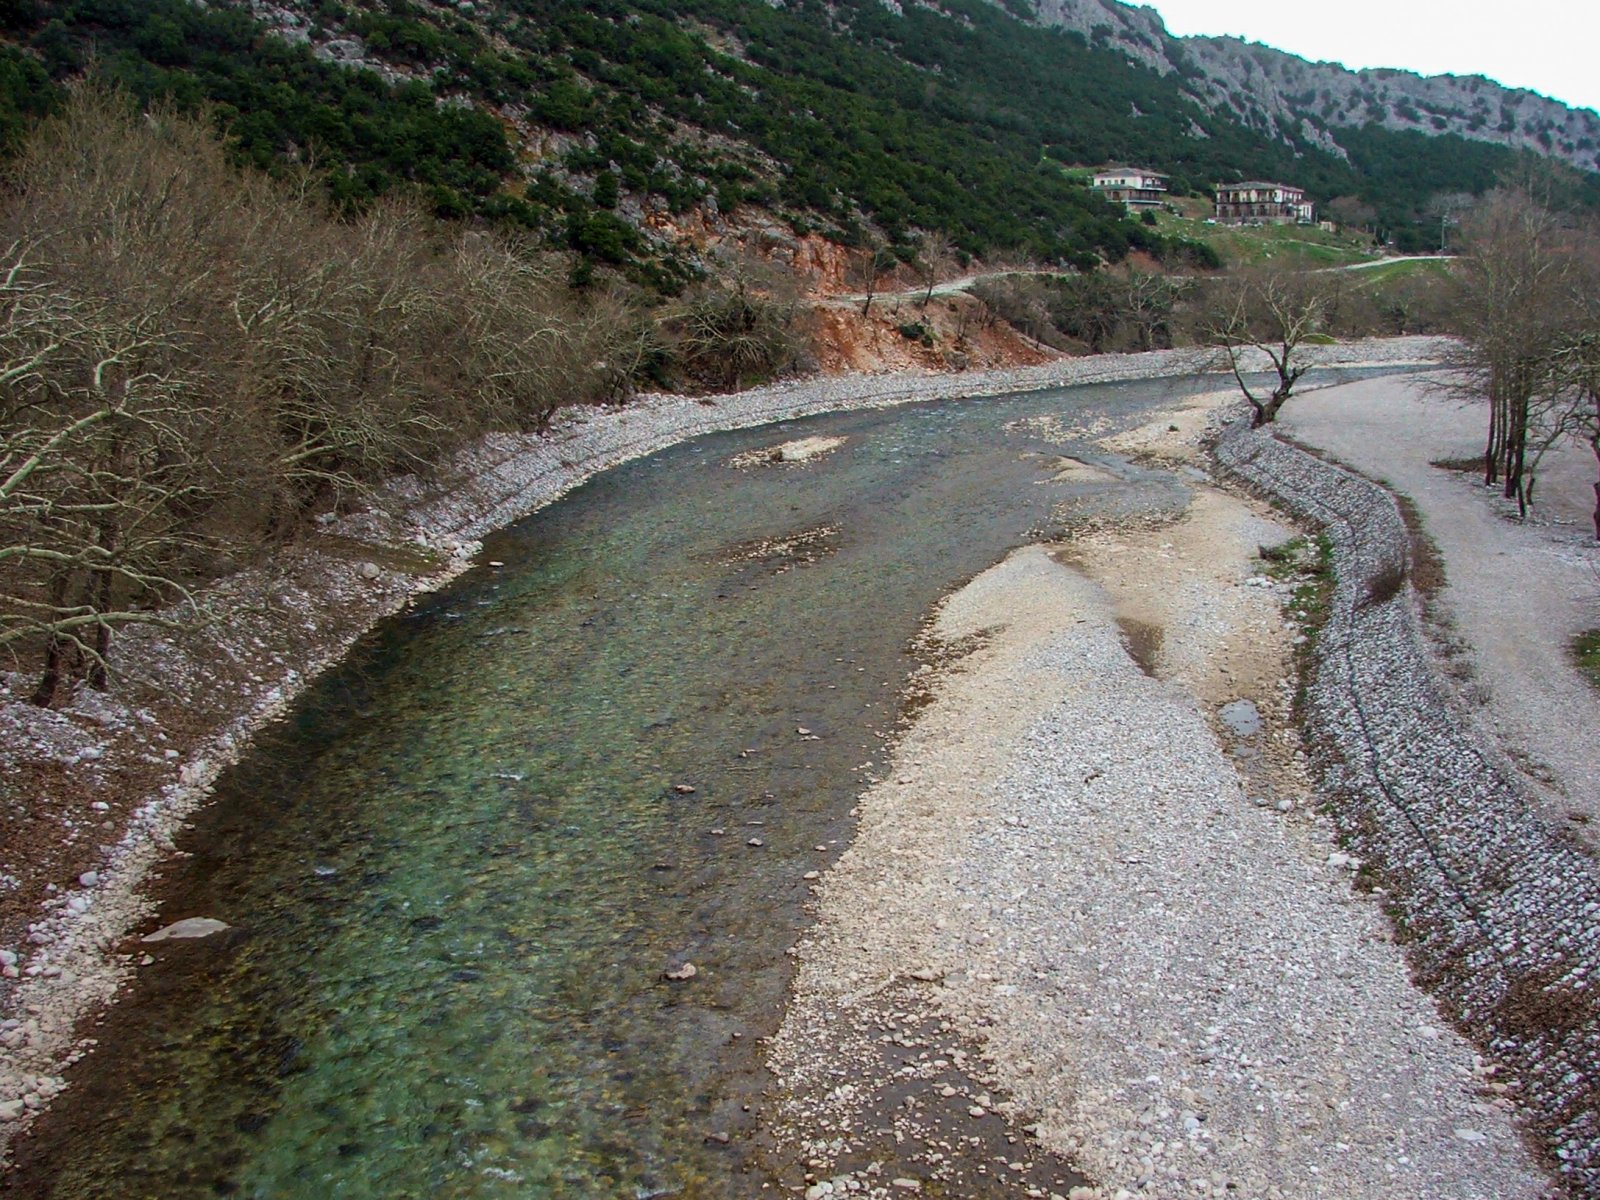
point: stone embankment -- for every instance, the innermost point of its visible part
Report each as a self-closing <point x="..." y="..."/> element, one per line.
<point x="1501" y="914"/>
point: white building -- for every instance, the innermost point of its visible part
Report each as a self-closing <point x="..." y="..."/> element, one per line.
<point x="1132" y="186"/>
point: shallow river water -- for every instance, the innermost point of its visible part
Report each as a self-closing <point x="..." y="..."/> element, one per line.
<point x="460" y="869"/>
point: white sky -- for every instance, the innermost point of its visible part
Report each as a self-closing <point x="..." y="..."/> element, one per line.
<point x="1547" y="46"/>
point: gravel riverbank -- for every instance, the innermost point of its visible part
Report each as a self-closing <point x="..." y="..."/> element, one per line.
<point x="68" y="953"/>
<point x="1074" y="910"/>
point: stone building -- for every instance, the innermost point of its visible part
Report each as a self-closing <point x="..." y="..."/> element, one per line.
<point x="1255" y="202"/>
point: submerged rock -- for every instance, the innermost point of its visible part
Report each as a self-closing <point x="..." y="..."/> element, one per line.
<point x="189" y="927"/>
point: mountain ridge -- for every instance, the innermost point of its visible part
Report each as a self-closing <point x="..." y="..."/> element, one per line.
<point x="1274" y="91"/>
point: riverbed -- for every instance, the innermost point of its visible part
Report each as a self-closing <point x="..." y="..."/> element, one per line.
<point x="461" y="869"/>
<point x="468" y="876"/>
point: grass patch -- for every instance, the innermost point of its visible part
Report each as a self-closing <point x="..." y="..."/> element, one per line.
<point x="1403" y="269"/>
<point x="1284" y="559"/>
<point x="1315" y="587"/>
<point x="1299" y="558"/>
<point x="1307" y="563"/>
<point x="1300" y="246"/>
<point x="1585" y="650"/>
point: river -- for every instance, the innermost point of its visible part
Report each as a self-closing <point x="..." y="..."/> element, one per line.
<point x="459" y="871"/>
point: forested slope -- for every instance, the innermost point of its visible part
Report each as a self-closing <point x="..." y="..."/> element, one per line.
<point x="602" y="126"/>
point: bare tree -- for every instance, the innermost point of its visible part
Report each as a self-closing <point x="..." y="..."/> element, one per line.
<point x="1273" y="313"/>
<point x="1577" y="362"/>
<point x="866" y="271"/>
<point x="1149" y="302"/>
<point x="1352" y="211"/>
<point x="1025" y="302"/>
<point x="1449" y="209"/>
<point x="1515" y="295"/>
<point x="1086" y="305"/>
<point x="741" y="325"/>
<point x="936" y="258"/>
<point x="99" y="475"/>
<point x="192" y="359"/>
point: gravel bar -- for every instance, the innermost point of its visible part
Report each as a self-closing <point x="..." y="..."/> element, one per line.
<point x="1176" y="987"/>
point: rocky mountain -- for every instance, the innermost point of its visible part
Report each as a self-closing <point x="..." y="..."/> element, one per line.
<point x="1287" y="97"/>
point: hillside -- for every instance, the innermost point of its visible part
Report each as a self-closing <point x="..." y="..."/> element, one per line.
<point x="639" y="133"/>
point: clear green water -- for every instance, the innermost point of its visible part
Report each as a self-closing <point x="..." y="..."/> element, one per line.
<point x="458" y="871"/>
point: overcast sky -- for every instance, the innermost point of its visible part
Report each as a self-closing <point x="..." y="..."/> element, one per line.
<point x="1547" y="46"/>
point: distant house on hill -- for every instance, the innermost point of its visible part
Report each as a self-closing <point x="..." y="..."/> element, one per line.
<point x="1255" y="202"/>
<point x="1132" y="186"/>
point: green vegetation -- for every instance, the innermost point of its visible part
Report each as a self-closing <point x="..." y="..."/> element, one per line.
<point x="1400" y="174"/>
<point x="643" y="91"/>
<point x="1307" y="564"/>
<point x="1586" y="654"/>
<point x="25" y="95"/>
<point x="1305" y="247"/>
<point x="1285" y="560"/>
<point x="956" y="119"/>
<point x="1403" y="270"/>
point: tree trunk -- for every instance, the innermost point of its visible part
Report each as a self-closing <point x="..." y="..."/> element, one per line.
<point x="55" y="654"/>
<point x="1497" y="437"/>
<point x="1267" y="412"/>
<point x="1516" y="453"/>
<point x="102" y="634"/>
<point x="57" y="650"/>
<point x="1594" y="444"/>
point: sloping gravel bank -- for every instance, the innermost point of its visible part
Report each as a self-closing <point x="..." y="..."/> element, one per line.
<point x="1502" y="914"/>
